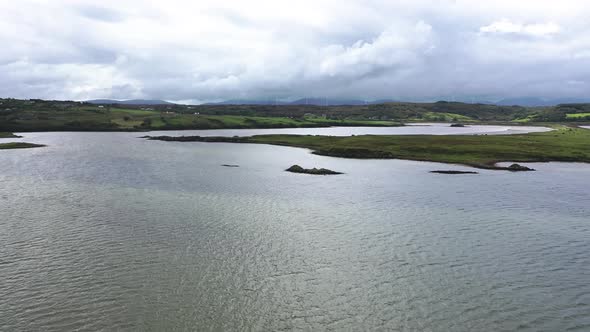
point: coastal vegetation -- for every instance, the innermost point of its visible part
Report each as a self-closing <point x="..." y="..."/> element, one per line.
<point x="8" y="135"/>
<point x="481" y="151"/>
<point x="15" y="145"/>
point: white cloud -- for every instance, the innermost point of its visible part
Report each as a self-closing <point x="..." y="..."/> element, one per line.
<point x="507" y="27"/>
<point x="396" y="46"/>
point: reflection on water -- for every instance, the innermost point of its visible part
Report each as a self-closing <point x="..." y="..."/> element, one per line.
<point x="104" y="231"/>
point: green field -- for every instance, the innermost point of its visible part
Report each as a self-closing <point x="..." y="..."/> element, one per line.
<point x="7" y="135"/>
<point x="18" y="115"/>
<point x="94" y="118"/>
<point x="578" y="115"/>
<point x="481" y="151"/>
<point x="351" y="122"/>
<point x="444" y="117"/>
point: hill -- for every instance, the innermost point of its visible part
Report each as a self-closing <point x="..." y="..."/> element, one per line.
<point x="303" y="101"/>
<point x="128" y="102"/>
<point x="41" y="115"/>
<point x="535" y="101"/>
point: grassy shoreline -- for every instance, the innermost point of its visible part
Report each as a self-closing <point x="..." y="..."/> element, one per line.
<point x="8" y="135"/>
<point x="480" y="151"/>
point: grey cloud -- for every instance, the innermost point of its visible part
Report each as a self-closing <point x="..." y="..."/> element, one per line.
<point x="372" y="49"/>
<point x="100" y="13"/>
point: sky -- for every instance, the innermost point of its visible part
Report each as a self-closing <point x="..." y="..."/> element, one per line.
<point x="205" y="50"/>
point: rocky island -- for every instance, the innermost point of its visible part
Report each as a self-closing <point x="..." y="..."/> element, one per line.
<point x="313" y="171"/>
<point x="518" y="168"/>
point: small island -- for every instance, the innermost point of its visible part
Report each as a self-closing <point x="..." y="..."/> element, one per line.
<point x="19" y="145"/>
<point x="313" y="171"/>
<point x="457" y="125"/>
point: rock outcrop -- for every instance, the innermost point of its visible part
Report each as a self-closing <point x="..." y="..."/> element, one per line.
<point x="313" y="171"/>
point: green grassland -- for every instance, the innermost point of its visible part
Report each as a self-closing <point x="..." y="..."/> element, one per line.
<point x="322" y="121"/>
<point x="578" y="116"/>
<point x="42" y="115"/>
<point x="95" y="118"/>
<point x="481" y="151"/>
<point x="443" y="117"/>
<point x="7" y="135"/>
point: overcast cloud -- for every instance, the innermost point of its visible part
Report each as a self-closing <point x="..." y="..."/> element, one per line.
<point x="195" y="51"/>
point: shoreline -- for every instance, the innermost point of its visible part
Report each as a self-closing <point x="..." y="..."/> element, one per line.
<point x="366" y="124"/>
<point x="563" y="144"/>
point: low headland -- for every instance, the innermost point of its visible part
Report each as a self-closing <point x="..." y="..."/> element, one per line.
<point x="565" y="144"/>
<point x="8" y="135"/>
<point x="19" y="145"/>
<point x="16" y="145"/>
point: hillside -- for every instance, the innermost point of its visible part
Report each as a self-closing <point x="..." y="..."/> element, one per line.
<point x="40" y="115"/>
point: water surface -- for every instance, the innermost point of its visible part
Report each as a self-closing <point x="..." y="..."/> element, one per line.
<point x="410" y="129"/>
<point x="104" y="231"/>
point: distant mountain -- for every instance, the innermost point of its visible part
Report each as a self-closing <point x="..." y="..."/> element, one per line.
<point x="304" y="101"/>
<point x="328" y="102"/>
<point x="129" y="102"/>
<point x="383" y="101"/>
<point x="523" y="101"/>
<point x="520" y="101"/>
<point x="570" y="101"/>
<point x="336" y="102"/>
<point x="534" y="101"/>
<point x="247" y="102"/>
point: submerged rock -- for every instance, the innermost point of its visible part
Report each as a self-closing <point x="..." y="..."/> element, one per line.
<point x="314" y="171"/>
<point x="454" y="172"/>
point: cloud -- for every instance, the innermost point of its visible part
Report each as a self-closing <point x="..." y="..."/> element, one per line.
<point x="211" y="50"/>
<point x="100" y="13"/>
<point x="65" y="81"/>
<point x="536" y="30"/>
<point x="391" y="48"/>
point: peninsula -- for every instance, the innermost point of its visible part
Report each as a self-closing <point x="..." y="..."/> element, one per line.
<point x="484" y="151"/>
